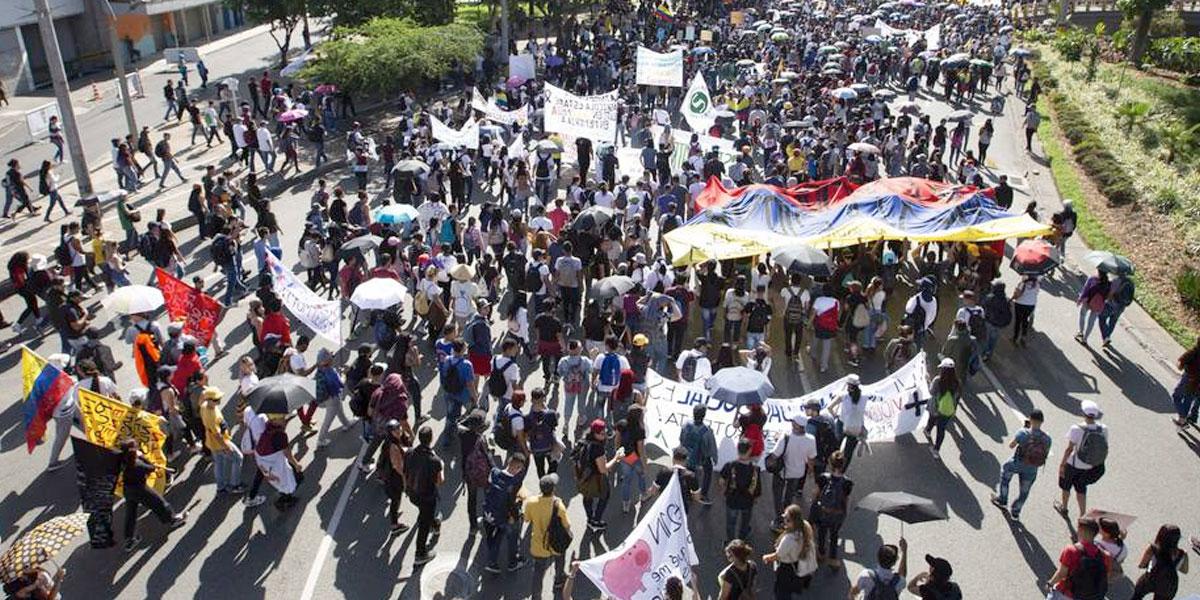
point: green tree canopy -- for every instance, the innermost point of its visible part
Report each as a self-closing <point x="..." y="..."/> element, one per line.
<point x="356" y="12"/>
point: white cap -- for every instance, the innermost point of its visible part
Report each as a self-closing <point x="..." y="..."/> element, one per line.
<point x="852" y="379"/>
<point x="947" y="363"/>
<point x="1090" y="409"/>
<point x="800" y="419"/>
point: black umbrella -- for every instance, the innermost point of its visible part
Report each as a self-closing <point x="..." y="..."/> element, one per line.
<point x="359" y="246"/>
<point x="802" y="258"/>
<point x="906" y="507"/>
<point x="592" y="217"/>
<point x="282" y="394"/>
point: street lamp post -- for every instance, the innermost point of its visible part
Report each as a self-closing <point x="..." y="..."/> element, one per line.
<point x="62" y="92"/>
<point x="119" y="67"/>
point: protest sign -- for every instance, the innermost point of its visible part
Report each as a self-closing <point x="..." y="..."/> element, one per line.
<point x="697" y="106"/>
<point x="592" y="117"/>
<point x="96" y="470"/>
<point x="658" y="547"/>
<point x="737" y="17"/>
<point x="496" y="114"/>
<point x="198" y="311"/>
<point x="467" y="137"/>
<point x="522" y="66"/>
<point x="108" y="422"/>
<point x="323" y="316"/>
<point x="895" y="406"/>
<point x="706" y="35"/>
<point x="656" y="68"/>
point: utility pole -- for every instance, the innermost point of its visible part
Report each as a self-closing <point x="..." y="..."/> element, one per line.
<point x="62" y="92"/>
<point x="119" y="67"/>
<point x="503" y="58"/>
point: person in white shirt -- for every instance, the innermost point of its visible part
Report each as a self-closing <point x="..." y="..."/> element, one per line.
<point x="266" y="146"/>
<point x="850" y="408"/>
<point x="1083" y="461"/>
<point x="796" y="452"/>
<point x="693" y="366"/>
<point x="541" y="222"/>
<point x="603" y="197"/>
<point x="603" y="379"/>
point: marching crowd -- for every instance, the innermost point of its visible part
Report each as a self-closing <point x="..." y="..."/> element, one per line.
<point x="583" y="288"/>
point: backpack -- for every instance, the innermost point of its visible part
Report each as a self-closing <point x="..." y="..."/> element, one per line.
<point x="1034" y="450"/>
<point x="916" y="318"/>
<point x="975" y="322"/>
<point x="688" y="371"/>
<point x="823" y="433"/>
<point x="220" y="251"/>
<point x="148" y="248"/>
<point x="861" y="317"/>
<point x="832" y="497"/>
<point x="160" y="149"/>
<point x="774" y="463"/>
<point x="1093" y="448"/>
<point x="751" y="486"/>
<point x="827" y="321"/>
<point x="579" y="465"/>
<point x="692" y="438"/>
<point x="416" y="481"/>
<point x="533" y="278"/>
<point x="558" y="537"/>
<point x="62" y="253"/>
<point x="1089" y="580"/>
<point x="1124" y="295"/>
<point x="502" y="431"/>
<point x="452" y="379"/>
<point x="479" y="465"/>
<point x="946" y="404"/>
<point x="883" y="590"/>
<point x="794" y="311"/>
<point x="998" y="311"/>
<point x="497" y="385"/>
<point x="359" y="403"/>
<point x="760" y="315"/>
<point x="421" y="303"/>
<point x="43" y="186"/>
<point x="610" y="369"/>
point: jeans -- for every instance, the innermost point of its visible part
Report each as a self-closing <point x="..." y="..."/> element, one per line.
<point x="824" y="344"/>
<point x="319" y="155"/>
<point x="56" y="198"/>
<point x="793" y="336"/>
<point x="1022" y="317"/>
<point x="658" y="355"/>
<point x="1087" y="319"/>
<point x="227" y="469"/>
<point x="1026" y="474"/>
<point x="827" y="537"/>
<point x="497" y="533"/>
<point x="786" y="491"/>
<point x="169" y="165"/>
<point x="737" y="523"/>
<point x="630" y="473"/>
<point x="676" y="334"/>
<point x="868" y="335"/>
<point x="544" y="188"/>
<point x="993" y="335"/>
<point x="940" y="423"/>
<point x="540" y="565"/>
<point x="1187" y="402"/>
<point x="849" y="445"/>
<point x="233" y="284"/>
<point x="268" y="159"/>
<point x="706" y="474"/>
<point x="733" y="331"/>
<point x="594" y="507"/>
<point x="1108" y="318"/>
<point x="426" y="520"/>
<point x="753" y="339"/>
<point x="571" y="297"/>
<point x="708" y="316"/>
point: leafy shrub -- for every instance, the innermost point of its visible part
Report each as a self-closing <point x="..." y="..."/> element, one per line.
<point x="1181" y="54"/>
<point x="1070" y="43"/>
<point x="1187" y="283"/>
<point x="1166" y="199"/>
<point x="1092" y="155"/>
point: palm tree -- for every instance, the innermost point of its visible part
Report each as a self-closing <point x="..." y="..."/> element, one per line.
<point x="1130" y="113"/>
<point x="1177" y="139"/>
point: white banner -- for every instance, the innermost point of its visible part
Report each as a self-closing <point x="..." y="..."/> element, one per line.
<point x="697" y="107"/>
<point x="323" y="316"/>
<point x="522" y="66"/>
<point x="467" y="137"/>
<point x="496" y="114"/>
<point x="592" y="117"/>
<point x="656" y="68"/>
<point x="658" y="547"/>
<point x="895" y="406"/>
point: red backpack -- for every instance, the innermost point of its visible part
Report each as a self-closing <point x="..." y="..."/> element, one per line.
<point x="828" y="320"/>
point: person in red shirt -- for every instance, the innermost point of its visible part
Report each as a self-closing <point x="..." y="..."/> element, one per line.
<point x="188" y="365"/>
<point x="264" y="85"/>
<point x="558" y="215"/>
<point x="1083" y="568"/>
<point x="275" y="322"/>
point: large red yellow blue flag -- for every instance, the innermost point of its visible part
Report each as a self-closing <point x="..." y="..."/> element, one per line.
<point x="44" y="386"/>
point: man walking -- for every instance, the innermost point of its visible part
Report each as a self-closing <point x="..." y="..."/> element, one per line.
<point x="794" y="455"/>
<point x="1083" y="460"/>
<point x="423" y="476"/>
<point x="1083" y="568"/>
<point x="163" y="151"/>
<point x="504" y="489"/>
<point x="1032" y="446"/>
<point x="538" y="513"/>
<point x="742" y="482"/>
<point x="1120" y="296"/>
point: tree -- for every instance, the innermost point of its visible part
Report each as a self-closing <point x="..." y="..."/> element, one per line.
<point x="283" y="16"/>
<point x="1144" y="11"/>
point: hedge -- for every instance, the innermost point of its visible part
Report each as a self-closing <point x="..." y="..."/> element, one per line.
<point x="1089" y="151"/>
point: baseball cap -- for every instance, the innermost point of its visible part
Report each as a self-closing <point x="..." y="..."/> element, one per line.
<point x="640" y="340"/>
<point x="1090" y="409"/>
<point x="939" y="567"/>
<point x="947" y="363"/>
<point x="852" y="379"/>
<point x="598" y="426"/>
<point x="800" y="420"/>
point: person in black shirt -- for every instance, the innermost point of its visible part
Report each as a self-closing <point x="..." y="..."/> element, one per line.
<point x="1004" y="193"/>
<point x="742" y="482"/>
<point x="688" y="483"/>
<point x="134" y="471"/>
<point x="427" y="476"/>
<point x="550" y="340"/>
<point x="711" y="291"/>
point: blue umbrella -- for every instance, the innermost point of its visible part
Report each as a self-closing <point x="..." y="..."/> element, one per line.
<point x="740" y="385"/>
<point x="703" y="50"/>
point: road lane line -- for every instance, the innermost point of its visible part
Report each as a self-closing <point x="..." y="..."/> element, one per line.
<point x="991" y="377"/>
<point x="314" y="573"/>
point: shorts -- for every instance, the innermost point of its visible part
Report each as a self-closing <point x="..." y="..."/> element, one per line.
<point x="480" y="363"/>
<point x="549" y="348"/>
<point x="1079" y="479"/>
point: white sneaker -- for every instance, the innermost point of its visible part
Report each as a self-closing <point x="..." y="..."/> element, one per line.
<point x="321" y="443"/>
<point x="255" y="501"/>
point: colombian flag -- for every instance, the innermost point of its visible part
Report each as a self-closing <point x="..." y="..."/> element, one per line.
<point x="45" y="385"/>
<point x="664" y="12"/>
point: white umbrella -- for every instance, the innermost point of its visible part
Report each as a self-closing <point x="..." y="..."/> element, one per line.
<point x="844" y="94"/>
<point x="864" y="148"/>
<point x="379" y="293"/>
<point x="885" y="94"/>
<point x="960" y="115"/>
<point x="134" y="299"/>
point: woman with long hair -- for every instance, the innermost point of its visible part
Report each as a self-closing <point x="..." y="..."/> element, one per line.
<point x="795" y="557"/>
<point x="20" y="272"/>
<point x="517" y="317"/>
<point x="631" y="437"/>
<point x="48" y="185"/>
<point x="1164" y="561"/>
<point x="724" y="357"/>
<point x="737" y="579"/>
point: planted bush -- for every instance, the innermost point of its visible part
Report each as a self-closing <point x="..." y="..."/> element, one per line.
<point x="1187" y="283"/>
<point x="1091" y="153"/>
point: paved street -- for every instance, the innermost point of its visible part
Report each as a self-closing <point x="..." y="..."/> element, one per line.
<point x="334" y="543"/>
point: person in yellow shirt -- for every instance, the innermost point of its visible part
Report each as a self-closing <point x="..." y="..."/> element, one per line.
<point x="797" y="164"/>
<point x="538" y="510"/>
<point x="227" y="458"/>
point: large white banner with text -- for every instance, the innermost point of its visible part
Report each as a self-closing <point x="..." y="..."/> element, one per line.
<point x="592" y="117"/>
<point x="496" y="114"/>
<point x="895" y="406"/>
<point x="467" y="137"/>
<point x="323" y="316"/>
<point x="656" y="68"/>
<point x="658" y="547"/>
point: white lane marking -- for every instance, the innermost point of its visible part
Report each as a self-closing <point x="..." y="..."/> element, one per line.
<point x="314" y="573"/>
<point x="991" y="377"/>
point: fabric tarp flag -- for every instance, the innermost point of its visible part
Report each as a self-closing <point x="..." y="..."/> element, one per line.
<point x="763" y="218"/>
<point x="681" y="140"/>
<point x="323" y="316"/>
<point x="698" y="109"/>
<point x="811" y="193"/>
<point x="107" y="422"/>
<point x="658" y="547"/>
<point x="199" y="312"/>
<point x="496" y="114"/>
<point x="44" y="385"/>
<point x="895" y="407"/>
<point x="658" y="68"/>
<point x="592" y="117"/>
<point x="467" y="137"/>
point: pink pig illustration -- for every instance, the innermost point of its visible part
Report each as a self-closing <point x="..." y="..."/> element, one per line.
<point x="623" y="574"/>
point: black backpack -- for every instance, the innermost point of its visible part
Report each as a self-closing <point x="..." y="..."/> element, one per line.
<point x="496" y="384"/>
<point x="883" y="590"/>
<point x="533" y="277"/>
<point x="823" y="433"/>
<point x="148" y="248"/>
<point x="916" y="318"/>
<point x="832" y="497"/>
<point x="558" y="537"/>
<point x="502" y="432"/>
<point x="452" y="380"/>
<point x="220" y="251"/>
<point x="1089" y="580"/>
<point x="581" y="468"/>
<point x="975" y="322"/>
<point x="62" y="253"/>
<point x="998" y="311"/>
<point x="688" y="371"/>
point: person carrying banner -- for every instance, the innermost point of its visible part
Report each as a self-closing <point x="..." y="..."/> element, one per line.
<point x="135" y="468"/>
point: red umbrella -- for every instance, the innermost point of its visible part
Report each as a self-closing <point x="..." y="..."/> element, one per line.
<point x="1035" y="257"/>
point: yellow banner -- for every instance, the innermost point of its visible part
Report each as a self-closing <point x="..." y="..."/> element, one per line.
<point x="107" y="422"/>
